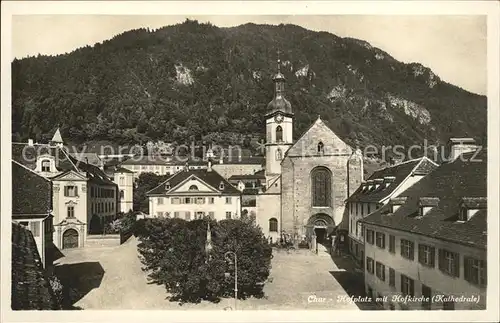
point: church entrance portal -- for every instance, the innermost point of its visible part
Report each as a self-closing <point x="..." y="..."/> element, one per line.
<point x="320" y="226"/>
<point x="320" y="234"/>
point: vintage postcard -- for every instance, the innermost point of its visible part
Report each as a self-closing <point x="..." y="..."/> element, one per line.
<point x="250" y="161"/>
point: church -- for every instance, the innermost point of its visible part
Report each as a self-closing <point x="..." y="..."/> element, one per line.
<point x="307" y="181"/>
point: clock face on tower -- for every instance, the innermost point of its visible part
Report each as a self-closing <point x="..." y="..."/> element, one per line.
<point x="278" y="118"/>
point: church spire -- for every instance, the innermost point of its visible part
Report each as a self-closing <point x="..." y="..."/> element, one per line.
<point x="279" y="103"/>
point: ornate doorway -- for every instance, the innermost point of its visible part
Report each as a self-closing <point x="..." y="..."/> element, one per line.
<point x="70" y="239"/>
<point x="320" y="225"/>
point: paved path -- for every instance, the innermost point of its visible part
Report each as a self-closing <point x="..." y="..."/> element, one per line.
<point x="113" y="279"/>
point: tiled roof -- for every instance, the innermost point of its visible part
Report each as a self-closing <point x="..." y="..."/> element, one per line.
<point x="27" y="156"/>
<point x="450" y="182"/>
<point x="212" y="178"/>
<point x="90" y="158"/>
<point x="30" y="288"/>
<point x="400" y="172"/>
<point x="31" y="193"/>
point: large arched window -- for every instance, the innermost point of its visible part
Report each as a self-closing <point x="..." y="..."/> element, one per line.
<point x="273" y="225"/>
<point x="279" y="134"/>
<point x="321" y="187"/>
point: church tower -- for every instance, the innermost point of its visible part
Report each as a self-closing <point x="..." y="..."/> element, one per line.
<point x="279" y="127"/>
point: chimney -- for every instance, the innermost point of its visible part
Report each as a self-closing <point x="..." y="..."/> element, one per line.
<point x="30" y="142"/>
<point x="459" y="146"/>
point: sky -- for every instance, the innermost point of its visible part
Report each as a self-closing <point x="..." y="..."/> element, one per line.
<point x="454" y="47"/>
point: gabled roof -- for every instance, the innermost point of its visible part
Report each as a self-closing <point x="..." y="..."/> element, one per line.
<point x="212" y="178"/>
<point x="57" y="138"/>
<point x="30" y="288"/>
<point x="450" y="182"/>
<point x="31" y="193"/>
<point x="400" y="172"/>
<point x="27" y="155"/>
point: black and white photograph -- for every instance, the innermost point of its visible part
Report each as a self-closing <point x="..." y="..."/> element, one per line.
<point x="280" y="157"/>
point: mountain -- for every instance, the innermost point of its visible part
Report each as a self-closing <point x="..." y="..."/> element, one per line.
<point x="197" y="81"/>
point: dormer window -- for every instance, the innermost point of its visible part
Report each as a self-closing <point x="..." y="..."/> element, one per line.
<point x="321" y="148"/>
<point x="396" y="203"/>
<point x="388" y="180"/>
<point x="45" y="165"/>
<point x="370" y="185"/>
<point x="364" y="186"/>
<point x="426" y="204"/>
<point x="470" y="206"/>
<point x="378" y="183"/>
<point x="221" y="186"/>
<point x="167" y="185"/>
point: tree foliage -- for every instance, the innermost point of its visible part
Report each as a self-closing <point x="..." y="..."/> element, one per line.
<point x="145" y="183"/>
<point x="173" y="254"/>
<point x="127" y="89"/>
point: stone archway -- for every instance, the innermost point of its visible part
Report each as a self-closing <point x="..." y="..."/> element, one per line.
<point x="320" y="225"/>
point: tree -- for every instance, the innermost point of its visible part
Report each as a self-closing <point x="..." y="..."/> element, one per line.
<point x="145" y="183"/>
<point x="173" y="254"/>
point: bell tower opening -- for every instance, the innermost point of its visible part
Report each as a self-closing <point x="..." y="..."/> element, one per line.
<point x="279" y="126"/>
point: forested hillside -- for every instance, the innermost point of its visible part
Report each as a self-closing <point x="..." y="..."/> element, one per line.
<point x="197" y="81"/>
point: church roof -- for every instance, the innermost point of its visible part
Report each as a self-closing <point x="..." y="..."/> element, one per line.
<point x="279" y="104"/>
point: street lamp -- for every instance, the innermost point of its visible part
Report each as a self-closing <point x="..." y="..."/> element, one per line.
<point x="228" y="255"/>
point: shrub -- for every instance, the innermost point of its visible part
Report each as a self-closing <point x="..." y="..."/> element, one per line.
<point x="173" y="253"/>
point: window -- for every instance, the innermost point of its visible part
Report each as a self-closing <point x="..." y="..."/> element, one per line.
<point x="199" y="215"/>
<point x="122" y="194"/>
<point x="160" y="214"/>
<point x="228" y="215"/>
<point x="362" y="230"/>
<point x="211" y="200"/>
<point x="193" y="188"/>
<point x="380" y="240"/>
<point x="167" y="185"/>
<point x="46" y="165"/>
<point x="321" y="187"/>
<point x="122" y="180"/>
<point x="176" y="214"/>
<point x="200" y="200"/>
<point x="176" y="200"/>
<point x="357" y="229"/>
<point x="392" y="244"/>
<point x="369" y="236"/>
<point x="321" y="148"/>
<point x="279" y="154"/>
<point x="426" y="299"/>
<point x="167" y="214"/>
<point x="187" y="200"/>
<point x="369" y="265"/>
<point x="187" y="215"/>
<point x="392" y="277"/>
<point x="449" y="262"/>
<point x="160" y="200"/>
<point x="211" y="215"/>
<point x="228" y="200"/>
<point x="407" y="249"/>
<point x="279" y="134"/>
<point x="380" y="271"/>
<point x="35" y="228"/>
<point x="273" y="225"/>
<point x="221" y="186"/>
<point x="71" y="212"/>
<point x="70" y="191"/>
<point x="357" y="211"/>
<point x="368" y="205"/>
<point x="407" y="286"/>
<point x="475" y="271"/>
<point x="426" y="255"/>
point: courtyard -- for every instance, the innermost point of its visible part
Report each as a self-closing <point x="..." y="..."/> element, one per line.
<point x="110" y="277"/>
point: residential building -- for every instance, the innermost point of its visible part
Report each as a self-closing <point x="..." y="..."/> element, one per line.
<point x="124" y="178"/>
<point x="83" y="197"/>
<point x="195" y="193"/>
<point x="32" y="208"/>
<point x="380" y="187"/>
<point x="431" y="241"/>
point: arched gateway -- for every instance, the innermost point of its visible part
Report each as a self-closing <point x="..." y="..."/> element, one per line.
<point x="321" y="225"/>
